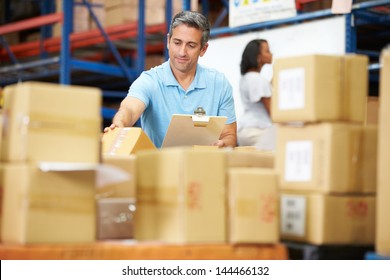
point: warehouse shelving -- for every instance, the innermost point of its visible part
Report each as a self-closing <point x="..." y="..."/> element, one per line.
<point x="112" y="57"/>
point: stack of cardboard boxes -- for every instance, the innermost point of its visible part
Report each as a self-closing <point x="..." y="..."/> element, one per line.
<point x="50" y="145"/>
<point x="198" y="194"/>
<point x="325" y="154"/>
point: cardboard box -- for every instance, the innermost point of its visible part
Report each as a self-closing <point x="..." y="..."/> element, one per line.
<point x="368" y="160"/>
<point x="181" y="196"/>
<point x="326" y="158"/>
<point x="127" y="11"/>
<point x="115" y="218"/>
<point x="47" y="207"/>
<point x="245" y="158"/>
<point x="125" y="141"/>
<point x="372" y="110"/>
<point x="51" y="122"/>
<point x="253" y="199"/>
<point x="382" y="241"/>
<point x="122" y="189"/>
<point x="320" y="88"/>
<point x="328" y="219"/>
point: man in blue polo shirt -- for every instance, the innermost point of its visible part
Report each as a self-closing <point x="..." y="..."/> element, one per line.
<point x="180" y="85"/>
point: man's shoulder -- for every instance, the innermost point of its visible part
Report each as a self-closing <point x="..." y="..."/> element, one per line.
<point x="211" y="71"/>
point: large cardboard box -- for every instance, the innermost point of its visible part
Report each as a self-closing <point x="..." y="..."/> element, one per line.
<point x="47" y="207"/>
<point x="51" y="122"/>
<point x="382" y="242"/>
<point x="326" y="157"/>
<point x="125" y="141"/>
<point x="328" y="219"/>
<point x="320" y="88"/>
<point x="181" y="196"/>
<point x="253" y="211"/>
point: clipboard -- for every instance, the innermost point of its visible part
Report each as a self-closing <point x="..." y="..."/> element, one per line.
<point x="190" y="130"/>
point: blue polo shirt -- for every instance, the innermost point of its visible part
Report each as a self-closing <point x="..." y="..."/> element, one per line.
<point x="163" y="96"/>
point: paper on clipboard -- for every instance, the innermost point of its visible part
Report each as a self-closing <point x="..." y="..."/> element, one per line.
<point x="189" y="130"/>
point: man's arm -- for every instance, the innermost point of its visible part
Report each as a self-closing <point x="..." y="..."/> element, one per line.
<point x="129" y="112"/>
<point x="267" y="104"/>
<point x="228" y="136"/>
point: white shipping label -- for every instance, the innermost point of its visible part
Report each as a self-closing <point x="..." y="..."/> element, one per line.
<point x="293" y="215"/>
<point x="291" y="89"/>
<point x="298" y="161"/>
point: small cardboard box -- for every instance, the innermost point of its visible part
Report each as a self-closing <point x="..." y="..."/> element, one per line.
<point x="328" y="219"/>
<point x="314" y="88"/>
<point x="115" y="218"/>
<point x="121" y="189"/>
<point x="181" y="196"/>
<point x="253" y="199"/>
<point x="47" y="207"/>
<point x="326" y="157"/>
<point x="51" y="122"/>
<point x="382" y="244"/>
<point x="126" y="141"/>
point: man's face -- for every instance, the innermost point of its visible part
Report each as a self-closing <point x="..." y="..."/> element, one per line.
<point x="185" y="48"/>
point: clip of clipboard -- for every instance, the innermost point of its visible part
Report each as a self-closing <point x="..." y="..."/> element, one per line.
<point x="190" y="130"/>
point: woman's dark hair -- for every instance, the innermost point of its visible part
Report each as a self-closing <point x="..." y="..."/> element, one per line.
<point x="249" y="56"/>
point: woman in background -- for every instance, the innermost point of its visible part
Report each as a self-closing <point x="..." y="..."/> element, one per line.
<point x="255" y="92"/>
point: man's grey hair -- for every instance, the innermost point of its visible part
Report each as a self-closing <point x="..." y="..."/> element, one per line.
<point x="192" y="19"/>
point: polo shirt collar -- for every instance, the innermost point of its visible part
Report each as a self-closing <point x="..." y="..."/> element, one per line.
<point x="170" y="80"/>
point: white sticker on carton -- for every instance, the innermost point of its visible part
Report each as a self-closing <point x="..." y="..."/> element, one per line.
<point x="298" y="161"/>
<point x="293" y="215"/>
<point x="291" y="89"/>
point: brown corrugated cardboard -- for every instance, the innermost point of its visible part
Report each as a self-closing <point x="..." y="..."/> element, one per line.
<point x="47" y="207"/>
<point x="382" y="242"/>
<point x="325" y="157"/>
<point x="245" y="158"/>
<point x="372" y="110"/>
<point x="123" y="189"/>
<point x="51" y="122"/>
<point x="253" y="211"/>
<point x="328" y="219"/>
<point x="320" y="88"/>
<point x="125" y="141"/>
<point x="368" y="159"/>
<point x="181" y="196"/>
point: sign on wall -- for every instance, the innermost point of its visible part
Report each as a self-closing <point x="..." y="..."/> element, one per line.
<point x="244" y="12"/>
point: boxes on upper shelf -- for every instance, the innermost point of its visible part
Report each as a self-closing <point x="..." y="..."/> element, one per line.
<point x="51" y="122"/>
<point x="328" y="219"/>
<point x="327" y="157"/>
<point x="314" y="88"/>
